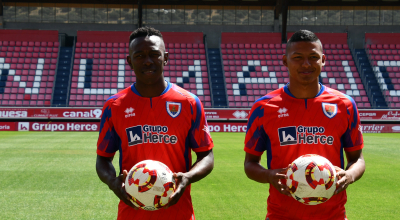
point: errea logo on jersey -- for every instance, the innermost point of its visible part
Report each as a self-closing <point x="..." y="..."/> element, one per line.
<point x="207" y="130"/>
<point x="282" y="112"/>
<point x="149" y="134"/>
<point x="303" y="135"/>
<point x="129" y="112"/>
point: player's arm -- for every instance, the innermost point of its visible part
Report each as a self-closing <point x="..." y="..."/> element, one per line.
<point x="354" y="170"/>
<point x="107" y="145"/>
<point x="353" y="148"/>
<point x="201" y="168"/>
<point x="202" y="144"/>
<point x="106" y="172"/>
<point x="255" y="171"/>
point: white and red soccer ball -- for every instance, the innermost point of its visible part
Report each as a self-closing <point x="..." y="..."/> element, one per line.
<point x="150" y="184"/>
<point x="311" y="179"/>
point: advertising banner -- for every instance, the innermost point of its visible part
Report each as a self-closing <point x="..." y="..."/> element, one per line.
<point x="380" y="128"/>
<point x="51" y="113"/>
<point x="227" y="114"/>
<point x="239" y="114"/>
<point x="58" y="126"/>
<point x="385" y="115"/>
<point x="212" y="114"/>
<point x="212" y="126"/>
<point x="227" y="126"/>
<point x="242" y="127"/>
<point x="7" y="126"/>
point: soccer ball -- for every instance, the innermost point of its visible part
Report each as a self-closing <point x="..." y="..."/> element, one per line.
<point x="311" y="179"/>
<point x="149" y="184"/>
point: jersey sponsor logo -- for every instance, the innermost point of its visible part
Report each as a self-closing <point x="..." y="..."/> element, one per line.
<point x="129" y="112"/>
<point x="174" y="108"/>
<point x="287" y="135"/>
<point x="283" y="112"/>
<point x="330" y="110"/>
<point x="134" y="135"/>
<point x="150" y="134"/>
<point x="303" y="135"/>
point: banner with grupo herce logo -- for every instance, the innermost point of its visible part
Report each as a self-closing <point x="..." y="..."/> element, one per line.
<point x="50" y="113"/>
<point x="219" y="120"/>
<point x="212" y="127"/>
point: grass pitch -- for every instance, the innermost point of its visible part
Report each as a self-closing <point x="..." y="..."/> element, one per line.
<point x="45" y="175"/>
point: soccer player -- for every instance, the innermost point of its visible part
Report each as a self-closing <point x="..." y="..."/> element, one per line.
<point x="153" y="119"/>
<point x="303" y="117"/>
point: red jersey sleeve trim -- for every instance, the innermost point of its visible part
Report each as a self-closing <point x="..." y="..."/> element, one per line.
<point x="104" y="154"/>
<point x="350" y="149"/>
<point x="203" y="149"/>
<point x="250" y="151"/>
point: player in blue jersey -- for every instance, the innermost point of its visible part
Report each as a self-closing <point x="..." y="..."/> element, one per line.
<point x="303" y="117"/>
<point x="157" y="120"/>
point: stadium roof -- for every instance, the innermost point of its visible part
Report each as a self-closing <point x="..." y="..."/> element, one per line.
<point x="228" y="2"/>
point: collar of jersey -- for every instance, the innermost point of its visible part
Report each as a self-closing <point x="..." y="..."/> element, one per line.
<point x="286" y="89"/>
<point x="169" y="85"/>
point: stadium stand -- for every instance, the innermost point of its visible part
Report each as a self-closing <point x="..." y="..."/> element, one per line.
<point x="383" y="52"/>
<point x="251" y="69"/>
<point x="28" y="60"/>
<point x="253" y="66"/>
<point x="100" y="68"/>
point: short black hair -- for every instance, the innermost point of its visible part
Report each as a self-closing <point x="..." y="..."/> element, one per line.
<point x="144" y="32"/>
<point x="302" y="35"/>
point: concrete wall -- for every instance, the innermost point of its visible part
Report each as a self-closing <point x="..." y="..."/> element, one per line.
<point x="356" y="33"/>
<point x="213" y="32"/>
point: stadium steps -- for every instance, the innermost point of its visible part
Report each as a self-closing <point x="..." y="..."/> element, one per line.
<point x="217" y="79"/>
<point x="370" y="82"/>
<point x="61" y="85"/>
<point x="3" y="80"/>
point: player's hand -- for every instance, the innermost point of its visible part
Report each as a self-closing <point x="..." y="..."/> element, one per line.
<point x="181" y="181"/>
<point x="344" y="180"/>
<point x="275" y="179"/>
<point x="118" y="187"/>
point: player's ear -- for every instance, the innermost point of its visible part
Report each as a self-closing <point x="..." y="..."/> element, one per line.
<point x="128" y="59"/>
<point x="284" y="60"/>
<point x="323" y="59"/>
<point x="165" y="58"/>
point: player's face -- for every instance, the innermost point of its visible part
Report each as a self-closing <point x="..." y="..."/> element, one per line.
<point x="147" y="57"/>
<point x="304" y="61"/>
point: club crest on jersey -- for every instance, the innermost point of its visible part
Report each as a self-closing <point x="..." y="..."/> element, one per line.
<point x="330" y="110"/>
<point x="174" y="108"/>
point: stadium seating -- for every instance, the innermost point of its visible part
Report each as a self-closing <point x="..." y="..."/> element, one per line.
<point x="383" y="51"/>
<point x="252" y="70"/>
<point x="100" y="70"/>
<point x="386" y="62"/>
<point x="27" y="68"/>
<point x="341" y="73"/>
<point x="187" y="67"/>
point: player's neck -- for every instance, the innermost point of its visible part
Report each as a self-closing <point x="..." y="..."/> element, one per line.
<point x="304" y="91"/>
<point x="150" y="91"/>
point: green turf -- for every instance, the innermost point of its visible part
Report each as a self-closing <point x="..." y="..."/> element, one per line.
<point x="46" y="175"/>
